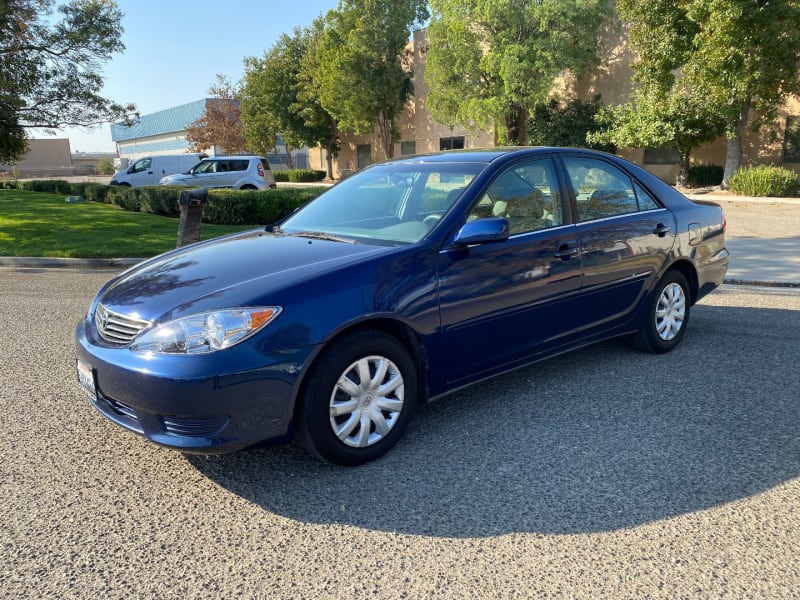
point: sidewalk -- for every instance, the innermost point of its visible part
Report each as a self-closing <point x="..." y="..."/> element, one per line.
<point x="763" y="237"/>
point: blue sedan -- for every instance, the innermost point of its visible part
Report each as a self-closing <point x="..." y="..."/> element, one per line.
<point x="410" y="279"/>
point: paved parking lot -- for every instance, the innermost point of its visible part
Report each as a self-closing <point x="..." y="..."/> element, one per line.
<point x="605" y="473"/>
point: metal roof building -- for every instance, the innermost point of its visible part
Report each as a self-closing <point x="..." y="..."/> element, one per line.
<point x="162" y="132"/>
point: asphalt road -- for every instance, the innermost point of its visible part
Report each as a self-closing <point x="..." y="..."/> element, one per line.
<point x="605" y="473"/>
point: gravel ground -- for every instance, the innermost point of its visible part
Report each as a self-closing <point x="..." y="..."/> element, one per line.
<point x="604" y="473"/>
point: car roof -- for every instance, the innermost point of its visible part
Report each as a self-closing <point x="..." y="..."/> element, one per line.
<point x="239" y="156"/>
<point x="487" y="155"/>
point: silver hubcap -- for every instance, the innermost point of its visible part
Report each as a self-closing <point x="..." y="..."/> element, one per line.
<point x="670" y="312"/>
<point x="366" y="401"/>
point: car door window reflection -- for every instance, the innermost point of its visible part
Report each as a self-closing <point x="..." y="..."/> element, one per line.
<point x="527" y="195"/>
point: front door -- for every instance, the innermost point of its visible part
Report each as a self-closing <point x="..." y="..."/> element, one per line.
<point x="503" y="302"/>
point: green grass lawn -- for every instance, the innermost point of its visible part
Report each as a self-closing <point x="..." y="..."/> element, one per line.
<point x="39" y="224"/>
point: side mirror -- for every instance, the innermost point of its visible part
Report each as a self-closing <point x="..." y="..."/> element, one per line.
<point x="483" y="231"/>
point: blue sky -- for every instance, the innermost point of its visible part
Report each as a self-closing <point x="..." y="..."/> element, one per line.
<point x="175" y="48"/>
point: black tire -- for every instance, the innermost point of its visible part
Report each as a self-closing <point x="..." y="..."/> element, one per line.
<point x="248" y="187"/>
<point x="363" y="413"/>
<point x="665" y="316"/>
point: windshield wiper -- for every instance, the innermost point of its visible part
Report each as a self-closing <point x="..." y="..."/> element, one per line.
<point x="321" y="235"/>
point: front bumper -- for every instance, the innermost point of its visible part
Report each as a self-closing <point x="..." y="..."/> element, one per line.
<point x="212" y="403"/>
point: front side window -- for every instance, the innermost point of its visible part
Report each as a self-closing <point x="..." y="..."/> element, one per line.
<point x="143" y="164"/>
<point x="602" y="190"/>
<point x="527" y="195"/>
<point x="206" y="166"/>
<point x="385" y="204"/>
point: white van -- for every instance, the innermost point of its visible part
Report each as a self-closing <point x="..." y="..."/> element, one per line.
<point x="150" y="169"/>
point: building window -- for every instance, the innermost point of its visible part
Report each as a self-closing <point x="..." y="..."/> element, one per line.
<point x="451" y="143"/>
<point x="407" y="148"/>
<point x="791" y="140"/>
<point x="661" y="156"/>
<point x="363" y="155"/>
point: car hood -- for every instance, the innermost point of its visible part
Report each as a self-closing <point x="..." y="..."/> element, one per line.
<point x="237" y="270"/>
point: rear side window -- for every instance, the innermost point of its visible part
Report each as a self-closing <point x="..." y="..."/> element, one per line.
<point x="232" y="165"/>
<point x="602" y="190"/>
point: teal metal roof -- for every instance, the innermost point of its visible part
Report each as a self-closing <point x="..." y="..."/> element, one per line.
<point x="161" y="122"/>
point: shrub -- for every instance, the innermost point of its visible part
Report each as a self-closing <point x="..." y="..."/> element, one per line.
<point x="160" y="200"/>
<point x="280" y="176"/>
<point x="234" y="207"/>
<point x="125" y="197"/>
<point x="704" y="175"/>
<point x="306" y="175"/>
<point x="94" y="192"/>
<point x="52" y="186"/>
<point x="765" y="180"/>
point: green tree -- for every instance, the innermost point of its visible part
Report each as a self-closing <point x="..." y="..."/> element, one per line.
<point x="738" y="55"/>
<point x="279" y="95"/>
<point x="105" y="166"/>
<point x="491" y="62"/>
<point x="566" y="124"/>
<point x="678" y="119"/>
<point x="366" y="79"/>
<point x="50" y="67"/>
<point x="221" y="123"/>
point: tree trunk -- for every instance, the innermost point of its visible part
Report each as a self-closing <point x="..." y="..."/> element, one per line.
<point x="516" y="126"/>
<point x="733" y="156"/>
<point x="683" y="171"/>
<point x="385" y="134"/>
<point x="329" y="161"/>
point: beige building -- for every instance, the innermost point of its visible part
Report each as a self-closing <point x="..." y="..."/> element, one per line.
<point x="44" y="158"/>
<point x="51" y="158"/>
<point x="420" y="133"/>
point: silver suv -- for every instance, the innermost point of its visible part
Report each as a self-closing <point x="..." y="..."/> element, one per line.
<point x="243" y="172"/>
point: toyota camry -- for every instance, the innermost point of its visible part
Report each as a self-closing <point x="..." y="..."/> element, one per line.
<point x="401" y="283"/>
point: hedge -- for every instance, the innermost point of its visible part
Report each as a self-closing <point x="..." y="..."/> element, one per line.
<point x="224" y="207"/>
<point x="299" y="175"/>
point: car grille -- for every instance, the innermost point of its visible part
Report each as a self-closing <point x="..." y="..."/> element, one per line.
<point x="117" y="328"/>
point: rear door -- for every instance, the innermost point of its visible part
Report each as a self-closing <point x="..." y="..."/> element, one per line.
<point x="625" y="237"/>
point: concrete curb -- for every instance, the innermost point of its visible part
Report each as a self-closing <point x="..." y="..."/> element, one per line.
<point x="79" y="263"/>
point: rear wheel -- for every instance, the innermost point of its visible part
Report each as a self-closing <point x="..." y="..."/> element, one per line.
<point x="665" y="316"/>
<point x="358" y="399"/>
<point x="248" y="187"/>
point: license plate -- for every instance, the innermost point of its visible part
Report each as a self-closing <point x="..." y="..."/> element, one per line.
<point x="86" y="379"/>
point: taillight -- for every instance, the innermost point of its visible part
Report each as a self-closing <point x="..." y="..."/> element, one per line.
<point x="724" y="220"/>
<point x="260" y="170"/>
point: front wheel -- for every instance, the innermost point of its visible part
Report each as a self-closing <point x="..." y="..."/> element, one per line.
<point x="666" y="315"/>
<point x="358" y="399"/>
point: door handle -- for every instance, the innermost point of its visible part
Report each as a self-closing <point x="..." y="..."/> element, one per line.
<point x="661" y="230"/>
<point x="565" y="251"/>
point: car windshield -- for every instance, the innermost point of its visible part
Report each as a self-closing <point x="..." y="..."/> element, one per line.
<point x="385" y="204"/>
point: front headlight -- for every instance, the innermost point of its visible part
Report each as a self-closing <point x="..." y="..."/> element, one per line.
<point x="205" y="332"/>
